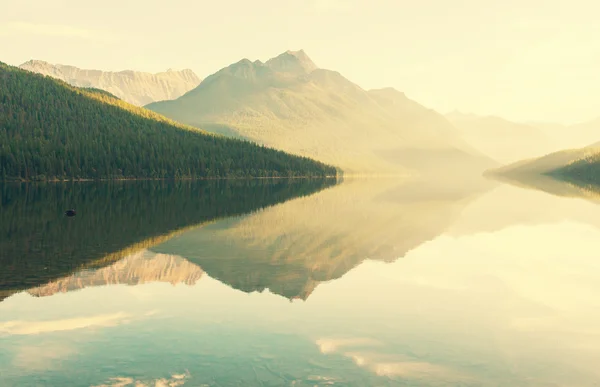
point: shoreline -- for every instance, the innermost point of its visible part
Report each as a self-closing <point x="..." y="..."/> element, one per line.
<point x="170" y="179"/>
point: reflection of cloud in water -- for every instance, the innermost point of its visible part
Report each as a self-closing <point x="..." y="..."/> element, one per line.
<point x="391" y="365"/>
<point x="425" y="372"/>
<point x="37" y="327"/>
<point x="413" y="369"/>
<point x="174" y="380"/>
<point x="535" y="287"/>
<point x="332" y="345"/>
<point x="41" y="357"/>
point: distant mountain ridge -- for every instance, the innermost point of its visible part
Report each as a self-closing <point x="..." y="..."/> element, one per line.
<point x="572" y="136"/>
<point x="135" y="87"/>
<point x="501" y="139"/>
<point x="289" y="103"/>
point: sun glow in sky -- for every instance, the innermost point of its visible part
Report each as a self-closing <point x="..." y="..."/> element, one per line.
<point x="520" y="59"/>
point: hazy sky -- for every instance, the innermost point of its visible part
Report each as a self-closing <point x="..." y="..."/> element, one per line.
<point x="521" y="59"/>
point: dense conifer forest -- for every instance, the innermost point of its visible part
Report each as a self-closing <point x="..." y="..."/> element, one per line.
<point x="50" y="130"/>
<point x="585" y="171"/>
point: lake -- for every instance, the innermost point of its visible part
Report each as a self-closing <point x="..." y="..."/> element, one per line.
<point x="365" y="282"/>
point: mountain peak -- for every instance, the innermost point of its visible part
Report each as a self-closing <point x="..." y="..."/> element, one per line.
<point x="244" y="69"/>
<point x="44" y="68"/>
<point x="34" y="61"/>
<point x="241" y="64"/>
<point x="300" y="54"/>
<point x="294" y="62"/>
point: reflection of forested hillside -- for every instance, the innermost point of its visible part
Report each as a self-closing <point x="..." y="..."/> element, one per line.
<point x="290" y="249"/>
<point x="38" y="243"/>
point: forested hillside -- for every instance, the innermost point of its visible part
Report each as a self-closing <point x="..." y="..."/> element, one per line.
<point x="585" y="170"/>
<point x="50" y="130"/>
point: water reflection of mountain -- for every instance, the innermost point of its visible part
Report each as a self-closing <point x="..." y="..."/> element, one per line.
<point x="39" y="244"/>
<point x="291" y="248"/>
<point x="136" y="269"/>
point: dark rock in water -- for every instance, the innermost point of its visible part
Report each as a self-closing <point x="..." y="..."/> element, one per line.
<point x="70" y="213"/>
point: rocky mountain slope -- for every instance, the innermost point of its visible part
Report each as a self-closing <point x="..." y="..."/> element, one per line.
<point x="291" y="104"/>
<point x="135" y="87"/>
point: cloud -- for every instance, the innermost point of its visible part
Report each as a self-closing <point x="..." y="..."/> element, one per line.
<point x="25" y="28"/>
<point x="17" y="327"/>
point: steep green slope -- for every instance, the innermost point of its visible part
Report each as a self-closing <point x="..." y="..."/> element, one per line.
<point x="289" y="103"/>
<point x="50" y="130"/>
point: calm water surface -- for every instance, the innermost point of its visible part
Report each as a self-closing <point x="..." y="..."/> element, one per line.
<point x="304" y="283"/>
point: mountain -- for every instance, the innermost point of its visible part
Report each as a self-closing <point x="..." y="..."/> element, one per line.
<point x="290" y="104"/>
<point x="136" y="269"/>
<point x="50" y="130"/>
<point x="572" y="136"/>
<point x="503" y="140"/>
<point x="137" y="88"/>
